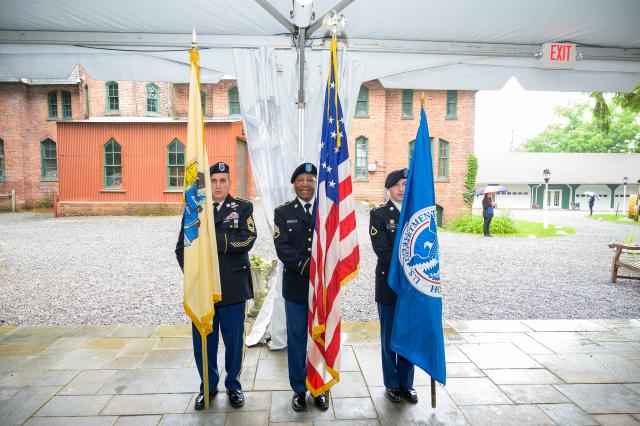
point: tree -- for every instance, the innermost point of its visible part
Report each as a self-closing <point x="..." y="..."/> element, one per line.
<point x="602" y="111"/>
<point x="580" y="133"/>
<point x="470" y="180"/>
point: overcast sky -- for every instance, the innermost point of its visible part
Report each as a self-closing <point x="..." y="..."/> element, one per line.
<point x="514" y="111"/>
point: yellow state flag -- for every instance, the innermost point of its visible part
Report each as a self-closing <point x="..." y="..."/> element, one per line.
<point x="201" y="271"/>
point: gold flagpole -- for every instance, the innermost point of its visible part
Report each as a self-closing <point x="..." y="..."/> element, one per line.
<point x="203" y="334"/>
<point x="433" y="382"/>
<point x="205" y="370"/>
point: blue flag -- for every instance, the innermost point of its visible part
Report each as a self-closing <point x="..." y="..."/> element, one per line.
<point x="415" y="268"/>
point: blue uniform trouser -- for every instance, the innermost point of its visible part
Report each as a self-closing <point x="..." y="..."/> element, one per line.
<point x="397" y="372"/>
<point x="228" y="320"/>
<point x="297" y="318"/>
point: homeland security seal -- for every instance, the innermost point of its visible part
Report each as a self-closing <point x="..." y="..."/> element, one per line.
<point x="418" y="252"/>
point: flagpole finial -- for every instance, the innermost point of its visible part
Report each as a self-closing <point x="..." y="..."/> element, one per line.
<point x="333" y="20"/>
<point x="194" y="41"/>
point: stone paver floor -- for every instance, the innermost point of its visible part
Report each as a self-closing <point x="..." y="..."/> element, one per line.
<point x="569" y="372"/>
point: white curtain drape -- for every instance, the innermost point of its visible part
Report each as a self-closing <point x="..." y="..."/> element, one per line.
<point x="268" y="87"/>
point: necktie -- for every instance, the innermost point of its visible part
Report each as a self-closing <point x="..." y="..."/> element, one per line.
<point x="215" y="209"/>
<point x="307" y="209"/>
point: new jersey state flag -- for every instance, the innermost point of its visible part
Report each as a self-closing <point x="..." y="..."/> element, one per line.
<point x="201" y="271"/>
<point x="414" y="273"/>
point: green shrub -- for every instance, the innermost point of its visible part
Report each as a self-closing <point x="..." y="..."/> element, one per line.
<point x="44" y="203"/>
<point x="500" y="225"/>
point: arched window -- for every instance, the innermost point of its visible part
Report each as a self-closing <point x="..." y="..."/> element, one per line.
<point x="113" y="99"/>
<point x="412" y="145"/>
<point x="175" y="165"/>
<point x="443" y="159"/>
<point x="362" y="105"/>
<point x="152" y="98"/>
<point x="452" y="104"/>
<point x="86" y="100"/>
<point x="1" y="160"/>
<point x="52" y="104"/>
<point x="234" y="101"/>
<point x="439" y="215"/>
<point x="66" y="105"/>
<point x="362" y="157"/>
<point x="112" y="165"/>
<point x="407" y="103"/>
<point x="49" y="160"/>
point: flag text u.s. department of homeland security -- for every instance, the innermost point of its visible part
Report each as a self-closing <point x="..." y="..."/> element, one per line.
<point x="418" y="252"/>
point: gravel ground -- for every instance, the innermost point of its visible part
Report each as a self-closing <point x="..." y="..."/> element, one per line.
<point x="106" y="270"/>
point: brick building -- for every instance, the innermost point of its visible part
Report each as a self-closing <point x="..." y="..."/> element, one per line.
<point x="28" y="114"/>
<point x="382" y="135"/>
<point x="380" y="139"/>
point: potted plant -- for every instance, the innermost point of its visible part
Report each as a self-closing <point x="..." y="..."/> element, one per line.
<point x="261" y="272"/>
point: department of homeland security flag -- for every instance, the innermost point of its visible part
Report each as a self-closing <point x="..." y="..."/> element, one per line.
<point x="201" y="272"/>
<point x="414" y="273"/>
<point x="335" y="253"/>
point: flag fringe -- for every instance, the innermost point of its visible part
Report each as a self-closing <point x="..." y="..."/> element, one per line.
<point x="351" y="276"/>
<point x="204" y="324"/>
<point x="317" y="332"/>
<point x="324" y="388"/>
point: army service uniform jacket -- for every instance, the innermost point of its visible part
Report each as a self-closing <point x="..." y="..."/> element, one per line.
<point x="292" y="235"/>
<point x="235" y="236"/>
<point x="382" y="229"/>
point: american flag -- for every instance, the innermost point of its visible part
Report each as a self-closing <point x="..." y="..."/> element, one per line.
<point x="335" y="255"/>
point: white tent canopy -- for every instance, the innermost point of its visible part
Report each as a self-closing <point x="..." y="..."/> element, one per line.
<point x="413" y="44"/>
<point x="460" y="44"/>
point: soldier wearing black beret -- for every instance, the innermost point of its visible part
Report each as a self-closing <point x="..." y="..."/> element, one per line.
<point x="293" y="235"/>
<point x="235" y="236"/>
<point x="397" y="372"/>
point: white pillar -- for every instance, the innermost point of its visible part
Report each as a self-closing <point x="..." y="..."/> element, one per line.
<point x="624" y="200"/>
<point x="546" y="206"/>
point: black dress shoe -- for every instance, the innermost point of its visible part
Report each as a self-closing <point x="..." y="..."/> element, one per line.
<point x="410" y="395"/>
<point x="321" y="402"/>
<point x="199" y="405"/>
<point x="394" y="394"/>
<point x="299" y="401"/>
<point x="236" y="398"/>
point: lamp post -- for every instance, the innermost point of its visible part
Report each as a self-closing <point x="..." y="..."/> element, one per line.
<point x="546" y="174"/>
<point x="624" y="195"/>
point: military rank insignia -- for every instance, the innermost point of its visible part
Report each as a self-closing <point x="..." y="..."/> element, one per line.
<point x="373" y="231"/>
<point x="250" y="225"/>
<point x="276" y="231"/>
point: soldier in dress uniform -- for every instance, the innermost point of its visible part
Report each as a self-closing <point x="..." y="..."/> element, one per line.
<point x="397" y="372"/>
<point x="235" y="236"/>
<point x="293" y="235"/>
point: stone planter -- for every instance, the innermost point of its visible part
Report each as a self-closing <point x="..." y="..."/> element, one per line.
<point x="261" y="276"/>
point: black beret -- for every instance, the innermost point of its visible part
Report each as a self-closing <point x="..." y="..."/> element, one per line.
<point x="304" y="168"/>
<point x="395" y="176"/>
<point x="219" y="168"/>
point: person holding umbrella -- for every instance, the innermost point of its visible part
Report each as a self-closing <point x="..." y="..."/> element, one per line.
<point x="488" y="204"/>
<point x="487" y="212"/>
<point x="592" y="199"/>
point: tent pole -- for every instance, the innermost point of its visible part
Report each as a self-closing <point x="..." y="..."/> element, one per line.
<point x="301" y="97"/>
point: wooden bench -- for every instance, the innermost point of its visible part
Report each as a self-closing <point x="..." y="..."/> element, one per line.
<point x="625" y="257"/>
